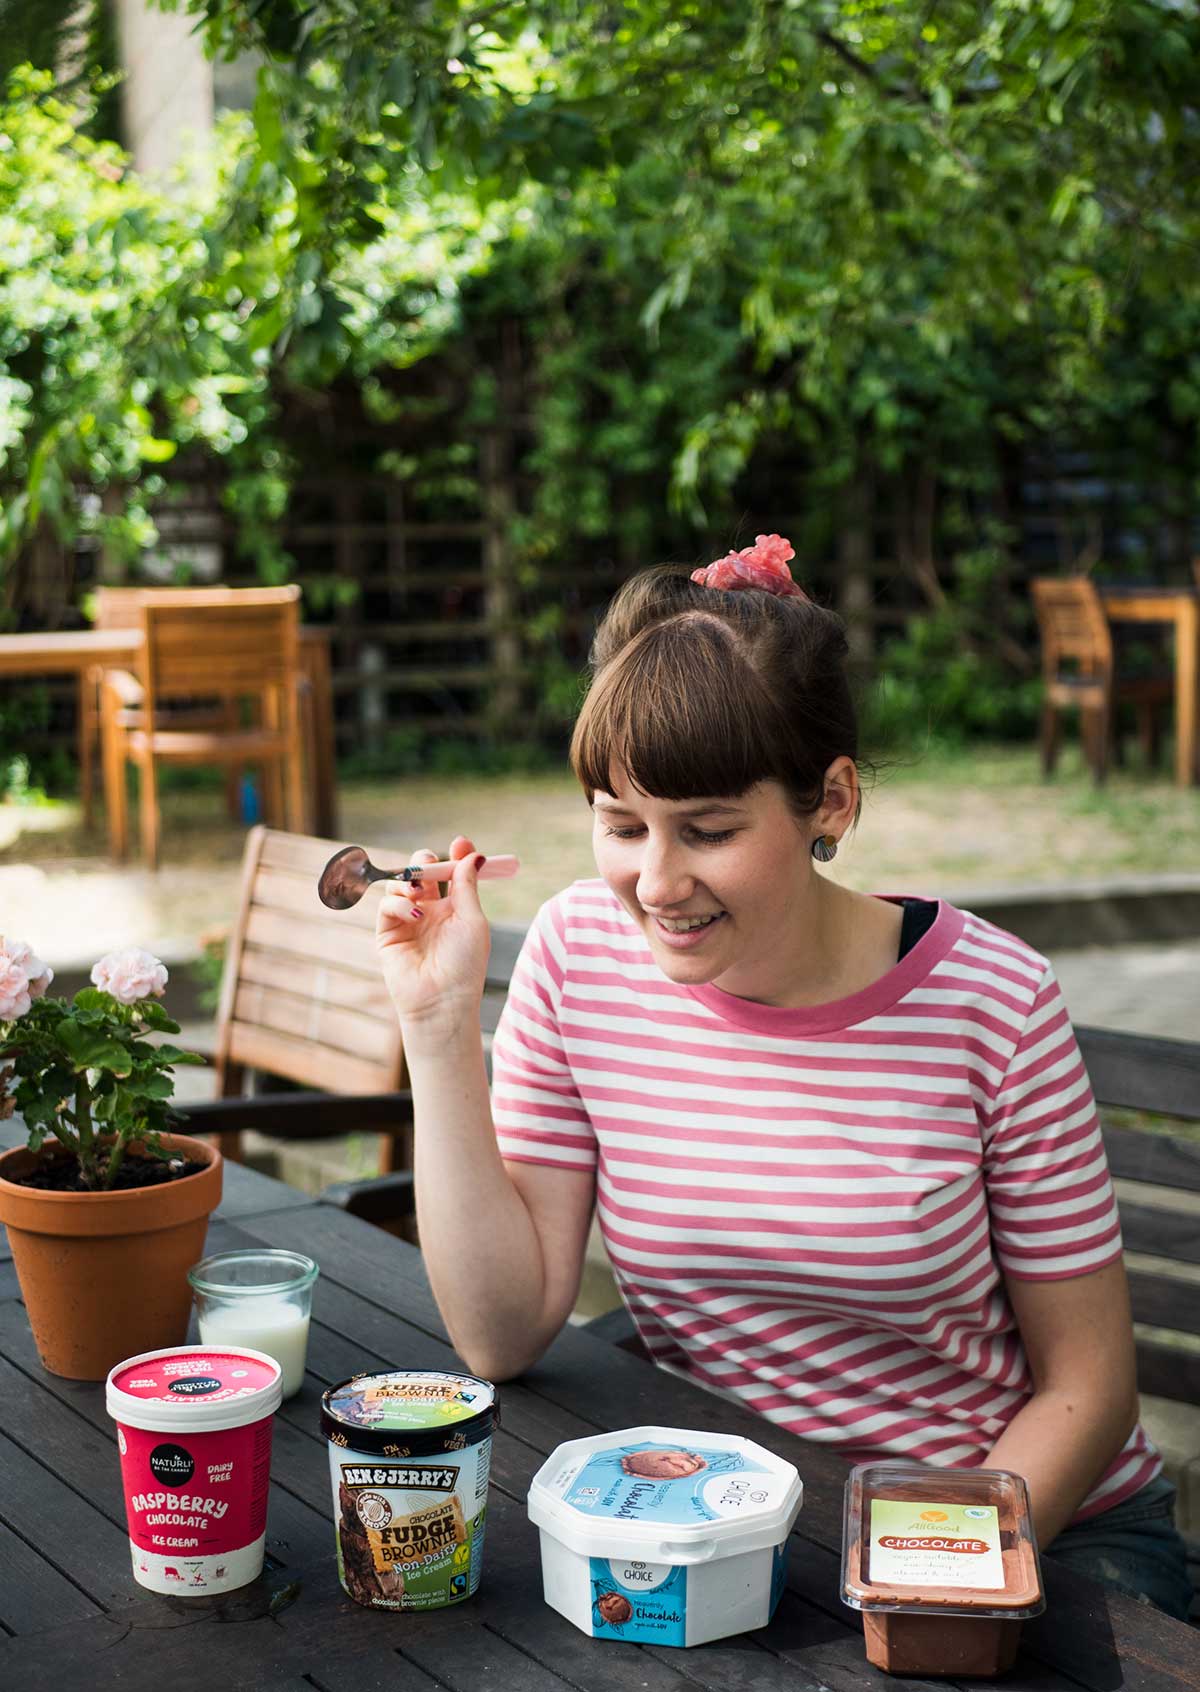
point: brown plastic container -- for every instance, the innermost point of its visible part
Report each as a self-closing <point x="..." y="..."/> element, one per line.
<point x="943" y="1565"/>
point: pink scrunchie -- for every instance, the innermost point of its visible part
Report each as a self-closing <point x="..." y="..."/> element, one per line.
<point x="763" y="565"/>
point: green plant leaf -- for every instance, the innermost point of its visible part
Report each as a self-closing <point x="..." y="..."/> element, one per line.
<point x="90" y="1048"/>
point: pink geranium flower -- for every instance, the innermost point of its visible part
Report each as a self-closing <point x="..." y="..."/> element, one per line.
<point x="130" y="975"/>
<point x="23" y="978"/>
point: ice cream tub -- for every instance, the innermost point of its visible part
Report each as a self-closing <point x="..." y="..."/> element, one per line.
<point x="942" y="1563"/>
<point x="665" y="1536"/>
<point x="409" y="1456"/>
<point x="194" y="1427"/>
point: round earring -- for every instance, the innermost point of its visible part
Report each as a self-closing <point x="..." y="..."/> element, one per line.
<point x="824" y="848"/>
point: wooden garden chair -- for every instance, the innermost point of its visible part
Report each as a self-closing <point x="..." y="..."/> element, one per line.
<point x="302" y="998"/>
<point x="233" y="650"/>
<point x="1078" y="672"/>
<point x="120" y="608"/>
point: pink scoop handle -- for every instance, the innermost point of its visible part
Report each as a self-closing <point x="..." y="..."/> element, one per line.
<point x="492" y="869"/>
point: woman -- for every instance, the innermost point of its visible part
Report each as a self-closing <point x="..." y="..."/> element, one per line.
<point x="842" y="1148"/>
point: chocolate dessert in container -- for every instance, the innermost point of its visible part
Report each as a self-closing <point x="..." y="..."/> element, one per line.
<point x="666" y="1536"/>
<point x="943" y="1565"/>
<point x="409" y="1456"/>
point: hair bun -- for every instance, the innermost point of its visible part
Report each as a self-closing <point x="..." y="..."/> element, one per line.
<point x="763" y="565"/>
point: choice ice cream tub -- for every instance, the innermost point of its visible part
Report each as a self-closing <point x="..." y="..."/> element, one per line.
<point x="943" y="1565"/>
<point x="664" y="1535"/>
<point x="409" y="1456"/>
<point x="194" y="1429"/>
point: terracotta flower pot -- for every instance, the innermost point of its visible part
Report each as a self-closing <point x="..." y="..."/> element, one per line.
<point x="104" y="1275"/>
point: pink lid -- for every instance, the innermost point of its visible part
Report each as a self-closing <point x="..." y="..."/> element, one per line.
<point x="214" y="1375"/>
<point x="204" y="1386"/>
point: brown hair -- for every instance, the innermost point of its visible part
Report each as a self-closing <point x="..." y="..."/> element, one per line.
<point x="699" y="692"/>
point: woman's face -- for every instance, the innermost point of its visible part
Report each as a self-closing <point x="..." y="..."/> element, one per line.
<point x="721" y="888"/>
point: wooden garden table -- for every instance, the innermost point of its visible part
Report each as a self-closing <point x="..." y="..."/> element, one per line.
<point x="1180" y="607"/>
<point x="70" y="1614"/>
<point x="76" y="651"/>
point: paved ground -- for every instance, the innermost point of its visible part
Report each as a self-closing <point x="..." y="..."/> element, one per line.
<point x="1144" y="989"/>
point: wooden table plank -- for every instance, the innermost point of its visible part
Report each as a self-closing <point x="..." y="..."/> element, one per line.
<point x="67" y="1530"/>
<point x="248" y="1192"/>
<point x="32" y="1589"/>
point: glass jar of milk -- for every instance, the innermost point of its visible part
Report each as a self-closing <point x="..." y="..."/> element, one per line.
<point x="259" y="1298"/>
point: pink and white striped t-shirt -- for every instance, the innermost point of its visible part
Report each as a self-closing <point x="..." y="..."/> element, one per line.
<point x="814" y="1210"/>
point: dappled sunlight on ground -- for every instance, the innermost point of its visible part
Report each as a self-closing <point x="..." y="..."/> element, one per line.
<point x="950" y="824"/>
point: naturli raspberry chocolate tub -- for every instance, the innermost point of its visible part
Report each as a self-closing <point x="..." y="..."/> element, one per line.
<point x="194" y="1431"/>
<point x="943" y="1565"/>
<point x="409" y="1455"/>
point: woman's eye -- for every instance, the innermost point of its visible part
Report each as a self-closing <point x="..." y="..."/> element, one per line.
<point x="702" y="836"/>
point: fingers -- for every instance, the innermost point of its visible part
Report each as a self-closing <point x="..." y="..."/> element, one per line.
<point x="397" y="909"/>
<point x="464" y="889"/>
<point x="461" y="847"/>
<point x="412" y="890"/>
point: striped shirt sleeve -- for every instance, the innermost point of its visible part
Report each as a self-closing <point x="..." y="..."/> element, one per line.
<point x="536" y="1107"/>
<point x="1052" y="1206"/>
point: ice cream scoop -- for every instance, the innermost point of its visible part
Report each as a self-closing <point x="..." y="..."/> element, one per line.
<point x="350" y="872"/>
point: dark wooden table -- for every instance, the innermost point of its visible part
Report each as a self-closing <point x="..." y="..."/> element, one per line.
<point x="71" y="1616"/>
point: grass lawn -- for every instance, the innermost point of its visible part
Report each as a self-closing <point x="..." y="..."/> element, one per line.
<point x="949" y="822"/>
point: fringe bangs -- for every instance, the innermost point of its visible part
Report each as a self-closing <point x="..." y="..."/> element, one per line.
<point x="683" y="713"/>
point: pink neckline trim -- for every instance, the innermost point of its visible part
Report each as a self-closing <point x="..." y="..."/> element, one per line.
<point x="938" y="940"/>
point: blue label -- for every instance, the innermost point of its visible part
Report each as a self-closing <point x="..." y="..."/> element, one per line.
<point x="639" y="1601"/>
<point x="778" y="1575"/>
<point x="662" y="1483"/>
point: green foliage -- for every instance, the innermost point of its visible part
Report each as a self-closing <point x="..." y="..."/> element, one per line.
<point x="863" y="238"/>
<point x="85" y="1073"/>
<point x="409" y="752"/>
<point x="139" y="322"/>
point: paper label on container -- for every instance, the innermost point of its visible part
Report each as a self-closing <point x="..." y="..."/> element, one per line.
<point x="410" y="1400"/>
<point x="935" y="1545"/>
<point x="665" y="1484"/>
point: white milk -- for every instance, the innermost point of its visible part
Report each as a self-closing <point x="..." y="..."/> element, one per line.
<point x="274" y="1325"/>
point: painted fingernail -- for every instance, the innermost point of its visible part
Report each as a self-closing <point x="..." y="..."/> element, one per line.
<point x="416" y="912"/>
<point x="479" y="862"/>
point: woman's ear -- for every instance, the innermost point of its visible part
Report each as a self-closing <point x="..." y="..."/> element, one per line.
<point x="840" y="805"/>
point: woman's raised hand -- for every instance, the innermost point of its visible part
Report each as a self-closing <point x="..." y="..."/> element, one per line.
<point x="434" y="951"/>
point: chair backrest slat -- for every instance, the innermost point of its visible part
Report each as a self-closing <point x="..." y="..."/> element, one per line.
<point x="1158" y="1178"/>
<point x="302" y="994"/>
<point x="1143" y="1071"/>
<point x="235" y="642"/>
<point x="1072" y="625"/>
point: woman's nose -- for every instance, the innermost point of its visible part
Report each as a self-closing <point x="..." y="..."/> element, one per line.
<point x="663" y="880"/>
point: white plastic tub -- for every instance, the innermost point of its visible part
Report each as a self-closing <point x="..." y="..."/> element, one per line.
<point x="664" y="1535"/>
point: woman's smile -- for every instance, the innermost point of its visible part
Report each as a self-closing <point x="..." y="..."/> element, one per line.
<point x="684" y="934"/>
